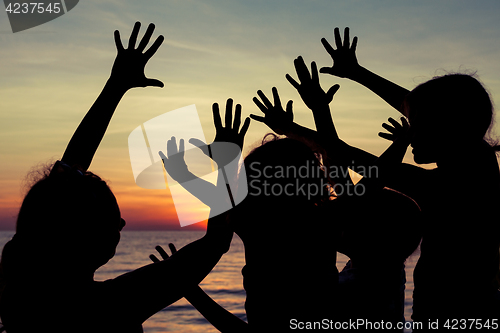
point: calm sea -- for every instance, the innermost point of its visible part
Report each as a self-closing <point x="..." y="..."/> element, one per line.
<point x="223" y="284"/>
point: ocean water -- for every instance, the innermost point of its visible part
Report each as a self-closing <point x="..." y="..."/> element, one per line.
<point x="223" y="284"/>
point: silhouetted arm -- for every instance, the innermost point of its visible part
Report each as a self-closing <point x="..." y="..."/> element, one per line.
<point x="389" y="171"/>
<point x="338" y="154"/>
<point x="408" y="179"/>
<point x="345" y="64"/>
<point x="225" y="150"/>
<point x="145" y="291"/>
<point x="316" y="99"/>
<point x="188" y="266"/>
<point x="387" y="163"/>
<point x="390" y="92"/>
<point x="127" y="73"/>
<point x="281" y="121"/>
<point x="219" y="317"/>
<point x="227" y="145"/>
<point x="176" y="167"/>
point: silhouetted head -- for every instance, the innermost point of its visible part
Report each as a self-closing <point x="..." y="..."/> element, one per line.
<point x="70" y="221"/>
<point x="285" y="170"/>
<point x="284" y="177"/>
<point x="446" y="113"/>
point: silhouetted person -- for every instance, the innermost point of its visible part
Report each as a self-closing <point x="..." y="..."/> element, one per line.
<point x="69" y="225"/>
<point x="289" y="274"/>
<point x="290" y="268"/>
<point x="225" y="151"/>
<point x="290" y="227"/>
<point x="449" y="117"/>
<point x="374" y="228"/>
<point x="306" y="283"/>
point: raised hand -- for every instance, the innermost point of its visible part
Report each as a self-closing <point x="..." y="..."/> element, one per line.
<point x="397" y="132"/>
<point x="344" y="58"/>
<point x="174" y="161"/>
<point x="275" y="117"/>
<point x="162" y="252"/>
<point x="128" y="68"/>
<point x="229" y="133"/>
<point x="309" y="88"/>
<point x="127" y="73"/>
<point x="176" y="167"/>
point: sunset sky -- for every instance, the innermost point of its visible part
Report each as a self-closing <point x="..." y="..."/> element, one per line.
<point x="51" y="74"/>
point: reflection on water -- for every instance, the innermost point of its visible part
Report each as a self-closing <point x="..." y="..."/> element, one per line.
<point x="223" y="284"/>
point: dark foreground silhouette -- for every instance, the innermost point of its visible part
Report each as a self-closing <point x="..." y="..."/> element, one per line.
<point x="449" y="116"/>
<point x="69" y="225"/>
<point x="292" y="224"/>
<point x="291" y="235"/>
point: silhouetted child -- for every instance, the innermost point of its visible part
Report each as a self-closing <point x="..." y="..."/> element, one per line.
<point x="291" y="229"/>
<point x="69" y="225"/>
<point x="368" y="215"/>
<point x="289" y="275"/>
<point x="449" y="116"/>
<point x="290" y="272"/>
